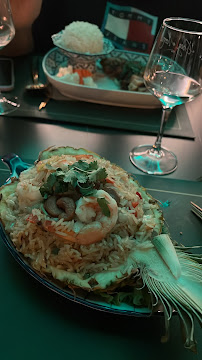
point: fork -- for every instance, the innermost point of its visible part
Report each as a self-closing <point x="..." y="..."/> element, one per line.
<point x="196" y="209"/>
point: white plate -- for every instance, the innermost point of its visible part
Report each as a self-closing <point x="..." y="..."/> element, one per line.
<point x="107" y="92"/>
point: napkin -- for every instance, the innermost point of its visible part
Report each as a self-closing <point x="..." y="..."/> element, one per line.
<point x="129" y="28"/>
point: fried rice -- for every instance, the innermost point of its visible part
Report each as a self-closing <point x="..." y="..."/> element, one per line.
<point x="139" y="220"/>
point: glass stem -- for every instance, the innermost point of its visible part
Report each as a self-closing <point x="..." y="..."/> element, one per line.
<point x="165" y="115"/>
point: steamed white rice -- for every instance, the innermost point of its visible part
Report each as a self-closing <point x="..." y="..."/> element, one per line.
<point x="82" y="37"/>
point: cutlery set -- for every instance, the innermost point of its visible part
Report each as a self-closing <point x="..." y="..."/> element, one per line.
<point x="38" y="88"/>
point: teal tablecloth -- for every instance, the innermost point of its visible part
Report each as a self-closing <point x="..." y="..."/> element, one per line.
<point x="38" y="324"/>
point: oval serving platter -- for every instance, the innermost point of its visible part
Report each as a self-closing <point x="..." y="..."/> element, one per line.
<point x="107" y="91"/>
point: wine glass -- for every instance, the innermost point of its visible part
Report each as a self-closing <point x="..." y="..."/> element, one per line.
<point x="173" y="74"/>
<point x="7" y="33"/>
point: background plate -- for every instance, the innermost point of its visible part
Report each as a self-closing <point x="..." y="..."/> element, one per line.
<point x="108" y="92"/>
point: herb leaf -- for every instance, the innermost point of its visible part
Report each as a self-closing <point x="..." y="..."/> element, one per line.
<point x="93" y="166"/>
<point x="70" y="177"/>
<point x="46" y="188"/>
<point x="86" y="191"/>
<point x="80" y="165"/>
<point x="81" y="178"/>
<point x="80" y="174"/>
<point x="104" y="207"/>
<point x="97" y="175"/>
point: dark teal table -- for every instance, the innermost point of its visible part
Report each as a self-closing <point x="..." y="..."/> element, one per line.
<point x="39" y="324"/>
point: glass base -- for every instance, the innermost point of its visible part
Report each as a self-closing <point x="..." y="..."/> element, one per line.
<point x="147" y="159"/>
<point x="8" y="104"/>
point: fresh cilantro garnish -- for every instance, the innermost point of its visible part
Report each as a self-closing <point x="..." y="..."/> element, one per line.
<point x="84" y="166"/>
<point x="104" y="207"/>
<point x="81" y="175"/>
<point x="46" y="188"/>
<point x="60" y="187"/>
<point x="86" y="189"/>
<point x="70" y="177"/>
<point x="98" y="175"/>
<point x="93" y="166"/>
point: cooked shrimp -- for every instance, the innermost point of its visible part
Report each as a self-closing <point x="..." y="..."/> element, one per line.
<point x="93" y="225"/>
<point x="28" y="194"/>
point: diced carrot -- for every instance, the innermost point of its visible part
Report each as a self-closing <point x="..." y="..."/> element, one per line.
<point x="48" y="226"/>
<point x="110" y="181"/>
<point x="82" y="156"/>
<point x="32" y="219"/>
<point x="82" y="73"/>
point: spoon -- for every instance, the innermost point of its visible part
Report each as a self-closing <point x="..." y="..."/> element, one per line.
<point x="37" y="85"/>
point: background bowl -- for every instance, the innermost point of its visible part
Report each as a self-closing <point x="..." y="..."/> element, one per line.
<point x="83" y="60"/>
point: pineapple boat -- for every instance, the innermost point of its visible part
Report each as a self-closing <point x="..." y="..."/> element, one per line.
<point x="85" y="222"/>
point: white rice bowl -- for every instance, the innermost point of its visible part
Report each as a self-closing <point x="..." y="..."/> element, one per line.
<point x="82" y="37"/>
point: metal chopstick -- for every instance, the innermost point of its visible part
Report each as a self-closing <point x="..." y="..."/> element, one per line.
<point x="196" y="210"/>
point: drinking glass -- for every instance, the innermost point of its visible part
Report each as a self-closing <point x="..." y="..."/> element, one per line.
<point x="173" y="74"/>
<point x="7" y="33"/>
